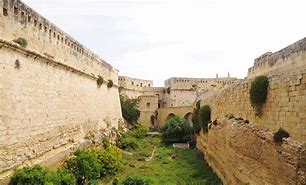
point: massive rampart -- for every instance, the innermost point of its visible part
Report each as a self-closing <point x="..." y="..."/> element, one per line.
<point x="50" y="102"/>
<point x="290" y="58"/>
<point x="244" y="153"/>
<point x="285" y="106"/>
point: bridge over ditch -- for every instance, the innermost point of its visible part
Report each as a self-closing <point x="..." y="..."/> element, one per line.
<point x="166" y="113"/>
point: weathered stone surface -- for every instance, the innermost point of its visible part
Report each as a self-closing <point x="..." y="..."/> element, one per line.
<point x="241" y="155"/>
<point x="49" y="100"/>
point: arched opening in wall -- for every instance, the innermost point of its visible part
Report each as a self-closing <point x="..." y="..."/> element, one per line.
<point x="188" y="118"/>
<point x="171" y="115"/>
<point x="152" y="121"/>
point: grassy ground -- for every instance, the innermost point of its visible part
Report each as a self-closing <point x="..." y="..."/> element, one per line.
<point x="169" y="166"/>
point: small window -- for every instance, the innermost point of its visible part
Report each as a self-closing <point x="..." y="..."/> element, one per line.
<point x="35" y="22"/>
<point x="132" y="83"/>
<point x="29" y="18"/>
<point x="148" y="104"/>
<point x="40" y="26"/>
<point x="5" y="13"/>
<point x="140" y="84"/>
<point x="149" y="85"/>
<point x="46" y="29"/>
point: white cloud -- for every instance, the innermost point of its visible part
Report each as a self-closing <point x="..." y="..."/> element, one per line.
<point x="157" y="39"/>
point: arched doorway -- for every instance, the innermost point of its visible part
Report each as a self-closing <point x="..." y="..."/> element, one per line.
<point x="171" y="115"/>
<point x="188" y="118"/>
<point x="152" y="121"/>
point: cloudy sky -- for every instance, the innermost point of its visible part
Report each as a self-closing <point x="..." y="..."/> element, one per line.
<point x="158" y="39"/>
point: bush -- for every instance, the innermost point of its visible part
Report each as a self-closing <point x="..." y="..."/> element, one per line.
<point x="176" y="130"/>
<point x="110" y="160"/>
<point x="38" y="175"/>
<point x="258" y="93"/>
<point x="134" y="180"/>
<point x="110" y="84"/>
<point x="22" y="42"/>
<point x="129" y="110"/>
<point x="61" y="177"/>
<point x="85" y="166"/>
<point x="205" y="117"/>
<point x="280" y="135"/>
<point x="100" y="81"/>
<point x="195" y="120"/>
<point x="127" y="142"/>
<point x="139" y="132"/>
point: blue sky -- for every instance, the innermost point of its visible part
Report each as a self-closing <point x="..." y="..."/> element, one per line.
<point x="158" y="39"/>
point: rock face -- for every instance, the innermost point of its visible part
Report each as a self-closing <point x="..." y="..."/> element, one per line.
<point x="242" y="153"/>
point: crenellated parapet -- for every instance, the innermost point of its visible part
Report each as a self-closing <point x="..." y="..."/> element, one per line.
<point x="194" y="83"/>
<point x="17" y="20"/>
<point x="290" y="58"/>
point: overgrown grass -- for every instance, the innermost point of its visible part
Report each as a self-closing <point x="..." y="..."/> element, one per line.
<point x="168" y="165"/>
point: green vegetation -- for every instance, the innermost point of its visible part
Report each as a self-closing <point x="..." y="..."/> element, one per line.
<point x="134" y="180"/>
<point x="100" y="81"/>
<point x="176" y="130"/>
<point x="128" y="140"/>
<point x="85" y="166"/>
<point x="110" y="84"/>
<point x="22" y="42"/>
<point x="166" y="165"/>
<point x="38" y="175"/>
<point x="195" y="118"/>
<point x="205" y="117"/>
<point x="129" y="110"/>
<point x="153" y="162"/>
<point x="258" y="93"/>
<point x="280" y="135"/>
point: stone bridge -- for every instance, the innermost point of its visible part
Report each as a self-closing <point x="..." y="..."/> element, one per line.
<point x="166" y="113"/>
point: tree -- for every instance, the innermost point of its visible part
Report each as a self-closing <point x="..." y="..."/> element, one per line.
<point x="176" y="129"/>
<point x="129" y="109"/>
<point x="205" y="117"/>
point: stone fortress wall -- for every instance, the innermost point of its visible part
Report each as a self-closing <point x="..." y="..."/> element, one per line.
<point x="177" y="92"/>
<point x="286" y="102"/>
<point x="288" y="59"/>
<point x="49" y="99"/>
<point x="249" y="154"/>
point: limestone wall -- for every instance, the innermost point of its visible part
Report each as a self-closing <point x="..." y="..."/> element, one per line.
<point x="290" y="58"/>
<point x="134" y="83"/>
<point x="49" y="99"/>
<point x="17" y="20"/>
<point x="243" y="153"/>
<point x="195" y="83"/>
<point x="285" y="106"/>
<point x="48" y="108"/>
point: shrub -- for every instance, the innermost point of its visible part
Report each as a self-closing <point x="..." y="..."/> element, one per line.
<point x="195" y="120"/>
<point x="35" y="175"/>
<point x="38" y="175"/>
<point x="129" y="110"/>
<point x="127" y="142"/>
<point x="110" y="160"/>
<point x="280" y="135"/>
<point x="110" y="84"/>
<point x="100" y="81"/>
<point x="176" y="130"/>
<point x="205" y="117"/>
<point x="61" y="177"/>
<point x="134" y="180"/>
<point x="139" y="132"/>
<point x="22" y="42"/>
<point x="85" y="166"/>
<point x="258" y="93"/>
